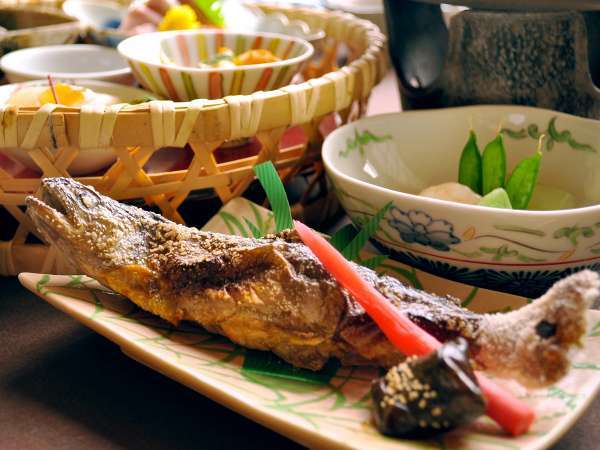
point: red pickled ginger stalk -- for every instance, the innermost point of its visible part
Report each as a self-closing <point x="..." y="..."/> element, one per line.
<point x="513" y="415"/>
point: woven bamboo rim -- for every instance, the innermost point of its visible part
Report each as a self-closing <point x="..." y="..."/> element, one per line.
<point x="54" y="136"/>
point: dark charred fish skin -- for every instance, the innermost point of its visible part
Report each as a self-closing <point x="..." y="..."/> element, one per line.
<point x="273" y="294"/>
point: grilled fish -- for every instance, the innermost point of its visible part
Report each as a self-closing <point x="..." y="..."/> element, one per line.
<point x="273" y="294"/>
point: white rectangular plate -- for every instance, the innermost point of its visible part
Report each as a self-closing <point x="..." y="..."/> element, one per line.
<point x="316" y="415"/>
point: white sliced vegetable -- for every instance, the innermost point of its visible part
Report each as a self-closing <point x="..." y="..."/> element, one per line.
<point x="498" y="198"/>
<point x="453" y="192"/>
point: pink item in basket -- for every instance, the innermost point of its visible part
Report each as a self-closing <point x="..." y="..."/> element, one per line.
<point x="143" y="28"/>
<point x="16" y="169"/>
<point x="161" y="6"/>
<point x="140" y="15"/>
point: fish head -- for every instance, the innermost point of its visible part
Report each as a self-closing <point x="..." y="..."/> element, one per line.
<point x="91" y="229"/>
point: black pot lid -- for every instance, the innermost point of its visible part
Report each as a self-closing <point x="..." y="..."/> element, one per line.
<point x="524" y="5"/>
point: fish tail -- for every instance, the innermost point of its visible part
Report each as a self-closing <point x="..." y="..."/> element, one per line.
<point x="532" y="344"/>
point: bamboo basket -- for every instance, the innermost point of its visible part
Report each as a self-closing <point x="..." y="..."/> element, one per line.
<point x="54" y="136"/>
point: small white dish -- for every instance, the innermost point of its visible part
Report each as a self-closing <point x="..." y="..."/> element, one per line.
<point x="101" y="19"/>
<point x="280" y="23"/>
<point x="96" y="13"/>
<point x="371" y="10"/>
<point x="67" y="62"/>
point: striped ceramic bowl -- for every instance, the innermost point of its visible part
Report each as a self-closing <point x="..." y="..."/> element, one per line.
<point x="167" y="63"/>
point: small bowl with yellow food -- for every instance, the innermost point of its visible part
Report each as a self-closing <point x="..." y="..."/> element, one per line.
<point x="185" y="65"/>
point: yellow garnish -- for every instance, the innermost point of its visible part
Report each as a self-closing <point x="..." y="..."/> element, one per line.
<point x="257" y="56"/>
<point x="181" y="17"/>
<point x="67" y="95"/>
<point x="224" y="51"/>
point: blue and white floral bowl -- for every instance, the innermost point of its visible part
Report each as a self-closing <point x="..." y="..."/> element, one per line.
<point x="101" y="19"/>
<point x="392" y="157"/>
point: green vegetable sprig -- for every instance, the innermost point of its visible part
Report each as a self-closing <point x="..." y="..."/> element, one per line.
<point x="485" y="174"/>
<point x="348" y="240"/>
<point x="469" y="170"/>
<point x="522" y="181"/>
<point x="493" y="165"/>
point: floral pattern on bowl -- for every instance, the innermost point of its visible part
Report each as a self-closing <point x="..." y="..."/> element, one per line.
<point x="95" y="15"/>
<point x="390" y="158"/>
<point x="418" y="227"/>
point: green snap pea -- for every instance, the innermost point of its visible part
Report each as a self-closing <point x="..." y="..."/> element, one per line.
<point x="493" y="163"/>
<point x="469" y="170"/>
<point x="522" y="181"/>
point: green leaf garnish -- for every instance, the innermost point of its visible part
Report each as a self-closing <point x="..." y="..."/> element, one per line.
<point x="352" y="250"/>
<point x="271" y="183"/>
<point x="212" y="10"/>
<point x="373" y="262"/>
<point x="343" y="237"/>
<point x="469" y="169"/>
<point x="498" y="198"/>
<point x="348" y="240"/>
<point x="266" y="363"/>
<point x="493" y="163"/>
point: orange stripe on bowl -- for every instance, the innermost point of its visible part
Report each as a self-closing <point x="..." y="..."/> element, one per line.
<point x="288" y="50"/>
<point x="201" y="47"/>
<point x="264" y="79"/>
<point x="257" y="42"/>
<point x="215" y="90"/>
<point x="218" y="41"/>
<point x="166" y="79"/>
<point x="183" y="49"/>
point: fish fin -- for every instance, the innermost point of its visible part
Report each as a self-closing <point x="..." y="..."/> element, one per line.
<point x="140" y="285"/>
<point x="532" y="344"/>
